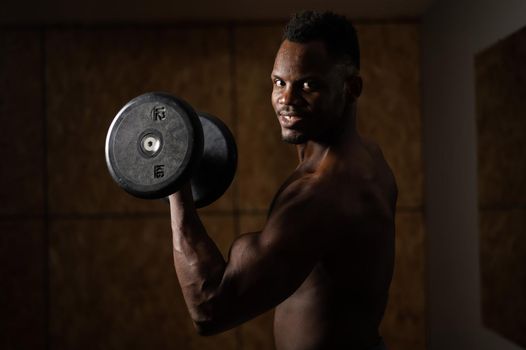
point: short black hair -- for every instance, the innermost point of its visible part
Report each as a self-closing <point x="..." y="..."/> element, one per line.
<point x="335" y="31"/>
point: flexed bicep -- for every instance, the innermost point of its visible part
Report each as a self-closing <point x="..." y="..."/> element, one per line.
<point x="265" y="268"/>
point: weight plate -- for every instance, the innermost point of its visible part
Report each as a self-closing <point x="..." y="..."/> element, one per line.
<point x="153" y="145"/>
<point x="218" y="163"/>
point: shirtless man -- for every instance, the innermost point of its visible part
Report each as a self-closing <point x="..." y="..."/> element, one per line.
<point x="324" y="259"/>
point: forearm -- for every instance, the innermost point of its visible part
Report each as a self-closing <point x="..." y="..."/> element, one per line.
<point x="198" y="262"/>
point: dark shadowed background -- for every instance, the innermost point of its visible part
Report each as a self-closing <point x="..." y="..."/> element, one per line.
<point x="86" y="266"/>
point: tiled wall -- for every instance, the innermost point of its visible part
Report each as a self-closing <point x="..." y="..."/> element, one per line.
<point x="501" y="124"/>
<point x="88" y="266"/>
<point x="23" y="267"/>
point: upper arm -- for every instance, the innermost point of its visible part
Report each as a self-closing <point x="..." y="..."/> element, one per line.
<point x="265" y="268"/>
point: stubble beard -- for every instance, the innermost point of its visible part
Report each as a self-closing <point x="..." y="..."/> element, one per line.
<point x="294" y="139"/>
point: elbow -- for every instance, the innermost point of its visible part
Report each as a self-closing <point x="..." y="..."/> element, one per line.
<point x="211" y="317"/>
<point x="208" y="328"/>
<point x="206" y="320"/>
<point x="213" y="322"/>
<point x="204" y="329"/>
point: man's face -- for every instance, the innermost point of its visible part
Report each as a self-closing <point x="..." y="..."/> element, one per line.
<point x="308" y="91"/>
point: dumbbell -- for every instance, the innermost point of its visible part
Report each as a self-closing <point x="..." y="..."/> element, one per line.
<point x="157" y="142"/>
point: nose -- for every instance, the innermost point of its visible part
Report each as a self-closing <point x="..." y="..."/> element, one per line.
<point x="289" y="96"/>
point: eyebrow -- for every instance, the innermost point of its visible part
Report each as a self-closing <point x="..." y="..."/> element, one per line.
<point x="303" y="78"/>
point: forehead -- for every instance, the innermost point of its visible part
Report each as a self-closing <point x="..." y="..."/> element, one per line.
<point x="302" y="58"/>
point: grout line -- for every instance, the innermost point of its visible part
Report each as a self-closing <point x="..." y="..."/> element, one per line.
<point x="45" y="178"/>
<point x="234" y="116"/>
<point x="235" y="120"/>
<point x="235" y="123"/>
<point x="179" y="24"/>
<point x="206" y="213"/>
<point x="409" y="208"/>
<point x="23" y="217"/>
<point x="124" y="215"/>
<point x="501" y="207"/>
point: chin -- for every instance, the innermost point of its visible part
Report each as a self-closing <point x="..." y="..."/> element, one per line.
<point x="294" y="138"/>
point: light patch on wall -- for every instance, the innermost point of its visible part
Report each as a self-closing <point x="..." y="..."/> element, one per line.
<point x="501" y="124"/>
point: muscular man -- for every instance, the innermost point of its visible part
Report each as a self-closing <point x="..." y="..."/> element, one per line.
<point x="324" y="259"/>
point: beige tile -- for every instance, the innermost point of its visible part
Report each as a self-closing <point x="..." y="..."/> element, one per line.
<point x="21" y="108"/>
<point x="23" y="292"/>
<point x="221" y="228"/>
<point x="503" y="277"/>
<point x="264" y="160"/>
<point x="389" y="108"/>
<point x="252" y="222"/>
<point x="500" y="73"/>
<point x="404" y="323"/>
<point x="113" y="286"/>
<point x="92" y="73"/>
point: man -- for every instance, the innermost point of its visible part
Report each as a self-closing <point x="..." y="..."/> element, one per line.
<point x="325" y="256"/>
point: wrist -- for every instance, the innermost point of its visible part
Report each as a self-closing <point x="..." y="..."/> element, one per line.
<point x="183" y="198"/>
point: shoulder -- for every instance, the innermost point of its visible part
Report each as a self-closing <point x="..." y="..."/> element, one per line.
<point x="299" y="200"/>
<point x="301" y="216"/>
<point x="375" y="187"/>
<point x="386" y="175"/>
<point x="371" y="146"/>
<point x="306" y="190"/>
<point x="305" y="205"/>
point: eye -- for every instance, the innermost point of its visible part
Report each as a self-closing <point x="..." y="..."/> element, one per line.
<point x="310" y="85"/>
<point x="279" y="83"/>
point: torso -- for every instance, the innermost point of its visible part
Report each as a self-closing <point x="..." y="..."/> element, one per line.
<point x="342" y="301"/>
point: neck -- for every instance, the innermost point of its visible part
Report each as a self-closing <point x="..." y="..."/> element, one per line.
<point x="340" y="137"/>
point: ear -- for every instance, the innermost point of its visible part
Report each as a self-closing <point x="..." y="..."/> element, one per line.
<point x="353" y="86"/>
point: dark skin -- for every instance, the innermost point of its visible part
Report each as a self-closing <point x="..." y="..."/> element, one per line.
<point x="324" y="259"/>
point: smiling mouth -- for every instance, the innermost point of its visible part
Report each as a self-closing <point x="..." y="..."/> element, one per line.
<point x="291" y="117"/>
<point x="289" y="121"/>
